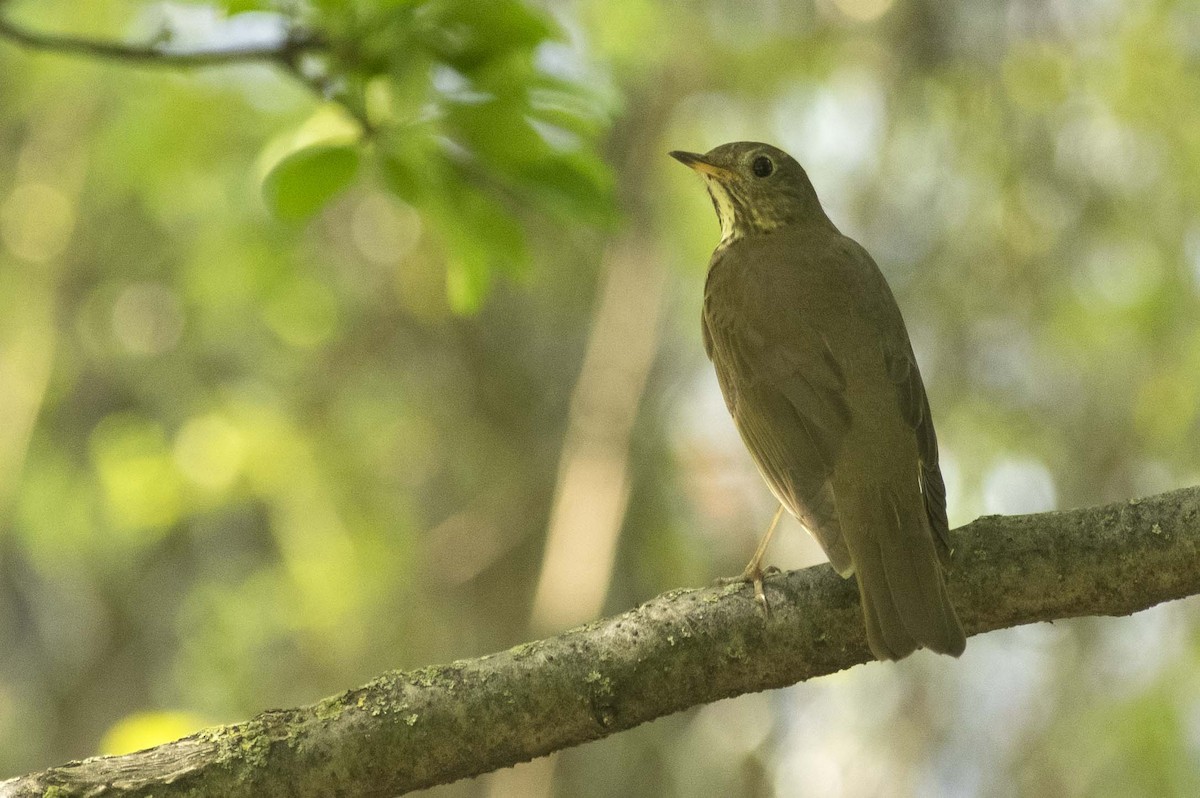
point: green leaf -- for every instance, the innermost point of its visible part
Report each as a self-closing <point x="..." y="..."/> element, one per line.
<point x="569" y="187"/>
<point x="484" y="231"/>
<point x="467" y="284"/>
<point x="468" y="35"/>
<point x="238" y="6"/>
<point x="304" y="181"/>
<point x="481" y="238"/>
<point x="480" y="235"/>
<point x="412" y="168"/>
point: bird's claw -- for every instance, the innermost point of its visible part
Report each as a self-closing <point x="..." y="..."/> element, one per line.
<point x="754" y="577"/>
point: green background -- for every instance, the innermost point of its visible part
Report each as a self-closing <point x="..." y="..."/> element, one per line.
<point x="302" y="380"/>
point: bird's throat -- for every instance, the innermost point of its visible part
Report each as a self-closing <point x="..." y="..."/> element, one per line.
<point x="726" y="206"/>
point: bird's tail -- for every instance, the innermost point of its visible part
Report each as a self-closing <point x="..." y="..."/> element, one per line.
<point x="904" y="598"/>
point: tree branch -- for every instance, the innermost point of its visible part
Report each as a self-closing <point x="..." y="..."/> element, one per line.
<point x="404" y="731"/>
<point x="284" y="53"/>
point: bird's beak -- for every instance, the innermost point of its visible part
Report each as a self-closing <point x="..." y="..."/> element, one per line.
<point x="697" y="162"/>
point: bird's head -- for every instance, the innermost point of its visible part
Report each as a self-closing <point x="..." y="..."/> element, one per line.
<point x="756" y="188"/>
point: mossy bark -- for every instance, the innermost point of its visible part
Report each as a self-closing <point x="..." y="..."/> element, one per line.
<point x="407" y="730"/>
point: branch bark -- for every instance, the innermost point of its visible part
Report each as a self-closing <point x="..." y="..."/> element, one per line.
<point x="408" y="730"/>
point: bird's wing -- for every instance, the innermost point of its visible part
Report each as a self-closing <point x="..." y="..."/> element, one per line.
<point x="786" y="395"/>
<point x="902" y="370"/>
<point x="914" y="408"/>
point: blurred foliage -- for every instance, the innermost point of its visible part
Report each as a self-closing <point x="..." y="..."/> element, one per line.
<point x="287" y="358"/>
<point x="474" y="106"/>
<point x="476" y="110"/>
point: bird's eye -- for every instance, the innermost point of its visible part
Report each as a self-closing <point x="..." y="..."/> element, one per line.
<point x="762" y="166"/>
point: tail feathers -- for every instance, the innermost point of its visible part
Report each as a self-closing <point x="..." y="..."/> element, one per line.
<point x="905" y="602"/>
<point x="886" y="633"/>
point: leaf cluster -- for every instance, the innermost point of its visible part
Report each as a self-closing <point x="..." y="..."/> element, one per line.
<point x="477" y="114"/>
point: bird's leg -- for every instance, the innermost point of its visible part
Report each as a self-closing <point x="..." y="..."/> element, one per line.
<point x="753" y="572"/>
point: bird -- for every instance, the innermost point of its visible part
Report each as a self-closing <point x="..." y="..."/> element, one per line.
<point x="817" y="370"/>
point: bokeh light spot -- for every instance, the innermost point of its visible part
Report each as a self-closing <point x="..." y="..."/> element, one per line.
<point x="1017" y="486"/>
<point x="143" y="730"/>
<point x="209" y="451"/>
<point x="147" y="318"/>
<point x="141" y="487"/>
<point x="863" y="10"/>
<point x="303" y="313"/>
<point x="384" y="230"/>
<point x="36" y="221"/>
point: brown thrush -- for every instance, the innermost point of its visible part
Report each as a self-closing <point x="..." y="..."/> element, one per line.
<point x="817" y="370"/>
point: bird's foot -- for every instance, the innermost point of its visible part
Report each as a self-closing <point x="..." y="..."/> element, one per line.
<point x="753" y="575"/>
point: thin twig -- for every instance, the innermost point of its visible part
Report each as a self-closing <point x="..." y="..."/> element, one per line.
<point x="286" y="55"/>
<point x="155" y="54"/>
